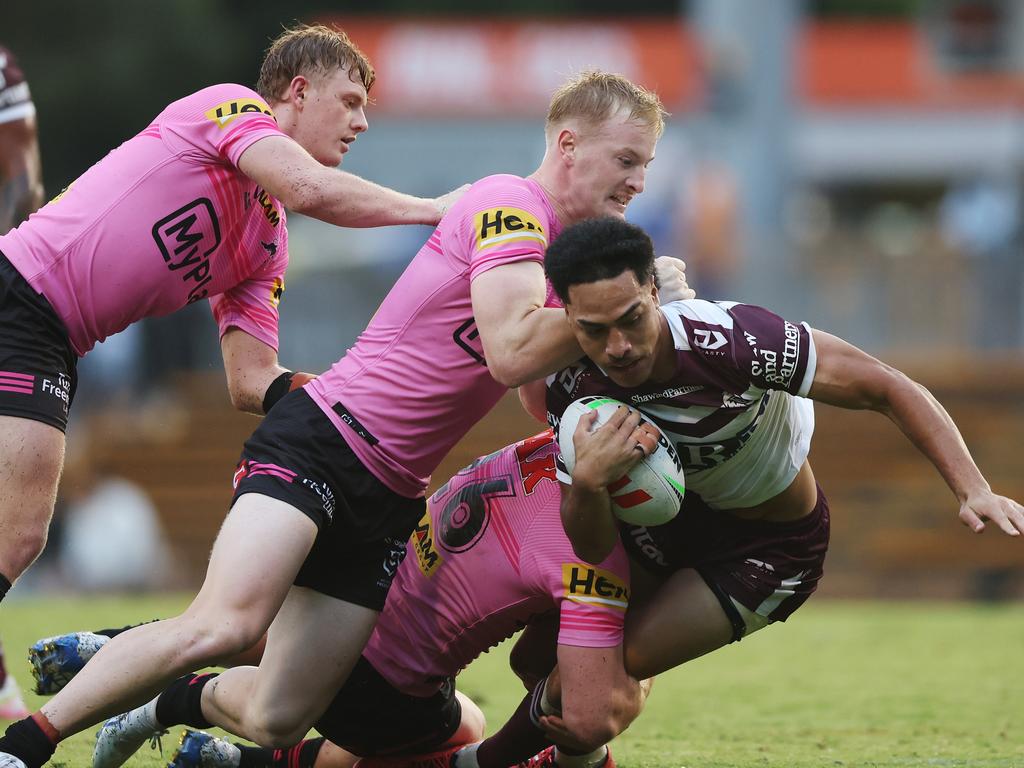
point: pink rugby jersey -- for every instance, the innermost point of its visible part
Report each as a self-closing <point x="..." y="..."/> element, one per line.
<point x="164" y="220"/>
<point x="416" y="379"/>
<point x="488" y="556"/>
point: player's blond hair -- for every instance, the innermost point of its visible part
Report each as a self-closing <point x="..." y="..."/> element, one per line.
<point x="594" y="96"/>
<point x="310" y="51"/>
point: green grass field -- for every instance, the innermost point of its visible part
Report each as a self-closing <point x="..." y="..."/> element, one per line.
<point x="842" y="684"/>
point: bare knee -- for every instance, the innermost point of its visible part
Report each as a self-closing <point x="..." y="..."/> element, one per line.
<point x="277" y="728"/>
<point x="23" y="546"/>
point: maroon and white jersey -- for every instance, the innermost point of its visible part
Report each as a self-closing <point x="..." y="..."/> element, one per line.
<point x="734" y="409"/>
<point x="15" y="99"/>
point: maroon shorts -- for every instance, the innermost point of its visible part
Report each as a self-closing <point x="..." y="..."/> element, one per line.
<point x="769" y="568"/>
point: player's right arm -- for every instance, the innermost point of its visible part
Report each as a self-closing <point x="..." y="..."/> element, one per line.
<point x="290" y="174"/>
<point x="603" y="455"/>
<point x="523" y="340"/>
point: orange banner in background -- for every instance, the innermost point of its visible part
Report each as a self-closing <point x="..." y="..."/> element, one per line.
<point x="435" y="67"/>
<point x="442" y="67"/>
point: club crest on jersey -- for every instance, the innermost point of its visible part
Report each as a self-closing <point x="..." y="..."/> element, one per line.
<point x="498" y="226"/>
<point x="224" y="114"/>
<point x="427" y="555"/>
<point x="594" y="586"/>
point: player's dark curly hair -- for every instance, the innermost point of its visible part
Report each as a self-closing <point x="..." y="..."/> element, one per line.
<point x="598" y="249"/>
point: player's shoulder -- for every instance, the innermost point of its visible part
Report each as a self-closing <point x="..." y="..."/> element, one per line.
<point x="498" y="188"/>
<point x="220" y="103"/>
<point x="700" y="310"/>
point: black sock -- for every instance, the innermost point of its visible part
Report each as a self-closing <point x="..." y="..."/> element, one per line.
<point x="181" y="702"/>
<point x="302" y="755"/>
<point x="5" y="585"/>
<point x="27" y="741"/>
<point x="116" y="632"/>
<point x="519" y="739"/>
<point x="3" y="666"/>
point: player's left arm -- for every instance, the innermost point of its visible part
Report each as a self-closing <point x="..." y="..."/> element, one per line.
<point x="256" y="380"/>
<point x="848" y="377"/>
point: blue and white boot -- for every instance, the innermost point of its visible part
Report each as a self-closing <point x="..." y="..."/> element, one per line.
<point x="121" y="736"/>
<point x="198" y="749"/>
<point x="55" y="660"/>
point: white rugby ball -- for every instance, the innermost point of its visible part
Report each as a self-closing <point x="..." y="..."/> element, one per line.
<point x="651" y="492"/>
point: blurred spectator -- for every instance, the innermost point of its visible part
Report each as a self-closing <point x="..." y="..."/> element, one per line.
<point x="708" y="230"/>
<point x="110" y="534"/>
<point x="981" y="218"/>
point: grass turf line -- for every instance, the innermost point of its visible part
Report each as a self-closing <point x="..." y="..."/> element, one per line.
<point x="903" y="685"/>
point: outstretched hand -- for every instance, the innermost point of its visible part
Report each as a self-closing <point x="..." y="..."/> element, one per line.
<point x="1004" y="512"/>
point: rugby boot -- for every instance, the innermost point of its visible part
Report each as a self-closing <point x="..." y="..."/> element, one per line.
<point x="12" y="706"/>
<point x="55" y="660"/>
<point x="547" y="758"/>
<point x="121" y="736"/>
<point x="10" y="761"/>
<point x="198" y="749"/>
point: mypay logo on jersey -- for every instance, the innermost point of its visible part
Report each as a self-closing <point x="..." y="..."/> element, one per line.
<point x="586" y="584"/>
<point x="498" y="226"/>
<point x="224" y="114"/>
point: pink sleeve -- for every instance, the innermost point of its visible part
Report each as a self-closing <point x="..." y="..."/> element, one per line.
<point x="592" y="598"/>
<point x="503" y="223"/>
<point x="252" y="305"/>
<point x="223" y="121"/>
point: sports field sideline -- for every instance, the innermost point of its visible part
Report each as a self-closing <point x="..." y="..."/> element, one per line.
<point x="842" y="684"/>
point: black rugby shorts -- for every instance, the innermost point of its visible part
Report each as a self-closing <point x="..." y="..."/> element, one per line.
<point x="38" y="367"/>
<point x="297" y="456"/>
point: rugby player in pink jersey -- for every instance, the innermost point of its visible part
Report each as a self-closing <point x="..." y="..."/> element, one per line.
<point x="488" y="556"/>
<point x="331" y="483"/>
<point x="191" y="208"/>
<point x="732" y="386"/>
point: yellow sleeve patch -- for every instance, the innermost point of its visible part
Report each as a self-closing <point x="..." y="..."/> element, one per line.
<point x="594" y="586"/>
<point x="276" y="291"/>
<point x="224" y="114"/>
<point x="427" y="554"/>
<point x="499" y="226"/>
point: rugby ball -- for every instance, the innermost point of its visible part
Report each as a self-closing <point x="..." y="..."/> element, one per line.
<point x="651" y="492"/>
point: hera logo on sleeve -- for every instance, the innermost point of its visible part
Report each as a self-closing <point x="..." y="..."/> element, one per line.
<point x="499" y="226"/>
<point x="224" y="114"/>
<point x="596" y="586"/>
